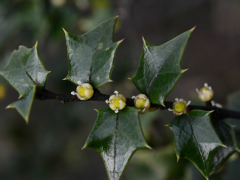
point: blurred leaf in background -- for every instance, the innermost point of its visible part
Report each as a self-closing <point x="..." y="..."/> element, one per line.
<point x="233" y="103"/>
<point x="160" y="164"/>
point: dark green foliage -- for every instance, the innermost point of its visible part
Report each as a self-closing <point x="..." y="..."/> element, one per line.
<point x="160" y="69"/>
<point x="26" y="73"/>
<point x="91" y="55"/>
<point x="195" y="139"/>
<point x="116" y="136"/>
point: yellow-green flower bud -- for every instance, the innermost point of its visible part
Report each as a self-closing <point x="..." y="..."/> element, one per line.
<point x="142" y="102"/>
<point x="180" y="107"/>
<point x="84" y="91"/>
<point x="116" y="102"/>
<point x="206" y="93"/>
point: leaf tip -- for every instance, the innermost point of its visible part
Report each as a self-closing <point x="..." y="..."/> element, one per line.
<point x="191" y="30"/>
<point x="36" y="44"/>
<point x="26" y="118"/>
<point x="130" y="79"/>
<point x="110" y="80"/>
<point x="144" y="41"/>
<point x="96" y="110"/>
<point x="178" y="158"/>
<point x="210" y="112"/>
<point x="224" y="146"/>
<point x="119" y="42"/>
<point x="64" y="79"/>
<point x="20" y="96"/>
<point x="84" y="147"/>
<point x="166" y="125"/>
<point x="10" y="106"/>
<point x="184" y="70"/>
<point x="148" y="147"/>
<point x="65" y="32"/>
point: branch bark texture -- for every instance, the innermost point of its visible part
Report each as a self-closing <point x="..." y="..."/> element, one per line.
<point x="98" y="96"/>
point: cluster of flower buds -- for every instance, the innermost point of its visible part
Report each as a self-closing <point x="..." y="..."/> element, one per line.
<point x="142" y="102"/>
<point x="116" y="102"/>
<point x="84" y="91"/>
<point x="180" y="107"/>
<point x="206" y="93"/>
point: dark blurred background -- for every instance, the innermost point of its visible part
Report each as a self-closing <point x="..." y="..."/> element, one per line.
<point x="49" y="147"/>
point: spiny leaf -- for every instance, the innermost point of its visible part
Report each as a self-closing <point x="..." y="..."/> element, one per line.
<point x="24" y="104"/>
<point x="91" y="55"/>
<point x="195" y="139"/>
<point x="24" y="70"/>
<point x="116" y="137"/>
<point x="159" y="68"/>
<point x="227" y="135"/>
<point x="26" y="73"/>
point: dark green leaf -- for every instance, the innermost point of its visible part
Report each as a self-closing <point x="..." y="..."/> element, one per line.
<point x="195" y="139"/>
<point x="25" y="72"/>
<point x="227" y="135"/>
<point x="116" y="137"/>
<point x="91" y="55"/>
<point x="24" y="104"/>
<point x="159" y="69"/>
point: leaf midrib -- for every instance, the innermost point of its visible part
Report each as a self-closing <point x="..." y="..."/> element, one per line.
<point x="115" y="144"/>
<point x="29" y="76"/>
<point x="94" y="50"/>
<point x="158" y="69"/>
<point x="198" y="144"/>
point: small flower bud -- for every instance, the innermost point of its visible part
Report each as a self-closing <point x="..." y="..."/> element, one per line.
<point x="142" y="102"/>
<point x="84" y="91"/>
<point x="116" y="102"/>
<point x="206" y="93"/>
<point x="180" y="107"/>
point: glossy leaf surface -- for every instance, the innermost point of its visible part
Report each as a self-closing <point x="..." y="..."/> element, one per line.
<point x="160" y="68"/>
<point x="26" y="73"/>
<point x="24" y="70"/>
<point x="91" y="55"/>
<point x="116" y="136"/>
<point x="195" y="139"/>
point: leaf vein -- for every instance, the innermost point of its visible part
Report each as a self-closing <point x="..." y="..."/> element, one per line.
<point x="158" y="69"/>
<point x="198" y="144"/>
